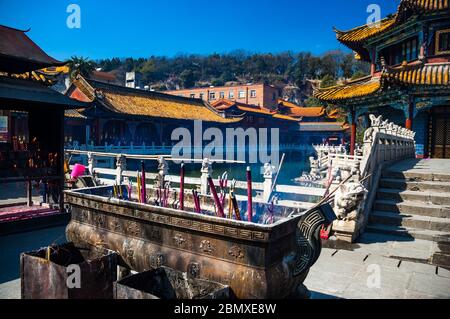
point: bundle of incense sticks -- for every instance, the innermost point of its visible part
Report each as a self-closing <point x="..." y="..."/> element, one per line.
<point x="143" y="187"/>
<point x="182" y="187"/>
<point x="216" y="198"/>
<point x="249" y="195"/>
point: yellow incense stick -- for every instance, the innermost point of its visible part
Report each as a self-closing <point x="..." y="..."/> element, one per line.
<point x="115" y="191"/>
<point x="230" y="206"/>
<point x="139" y="187"/>
<point x="48" y="253"/>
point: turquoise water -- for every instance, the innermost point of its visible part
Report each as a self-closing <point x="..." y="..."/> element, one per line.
<point x="293" y="166"/>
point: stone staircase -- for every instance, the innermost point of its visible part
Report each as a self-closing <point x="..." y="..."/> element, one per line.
<point x="414" y="203"/>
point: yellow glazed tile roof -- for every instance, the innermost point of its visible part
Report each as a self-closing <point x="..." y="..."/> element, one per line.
<point x="74" y="114"/>
<point x="295" y="110"/>
<point x="152" y="104"/>
<point x="364" y="32"/>
<point x="425" y="5"/>
<point x="358" y="88"/>
<point x="428" y="74"/>
<point x="355" y="38"/>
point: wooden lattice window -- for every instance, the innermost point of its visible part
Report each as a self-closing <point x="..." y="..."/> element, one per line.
<point x="443" y="41"/>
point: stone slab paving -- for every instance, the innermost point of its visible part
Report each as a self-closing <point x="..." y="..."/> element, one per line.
<point x="400" y="265"/>
<point x="12" y="246"/>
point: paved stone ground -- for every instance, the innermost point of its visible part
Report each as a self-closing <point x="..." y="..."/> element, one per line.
<point x="339" y="273"/>
<point x="12" y="193"/>
<point x="10" y="249"/>
<point x="434" y="166"/>
<point x="400" y="263"/>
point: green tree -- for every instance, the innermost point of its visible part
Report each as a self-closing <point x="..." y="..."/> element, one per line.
<point x="313" y="101"/>
<point x="188" y="79"/>
<point x="327" y="81"/>
<point x="80" y="65"/>
<point x="358" y="74"/>
<point x="347" y="65"/>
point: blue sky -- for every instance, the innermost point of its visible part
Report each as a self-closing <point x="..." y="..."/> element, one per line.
<point x="141" y="28"/>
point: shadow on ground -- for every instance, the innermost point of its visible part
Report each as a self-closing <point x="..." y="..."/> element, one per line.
<point x="11" y="246"/>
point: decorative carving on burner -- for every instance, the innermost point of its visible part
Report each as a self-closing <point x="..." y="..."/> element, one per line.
<point x="236" y="252"/>
<point x="84" y="216"/>
<point x="99" y="220"/>
<point x="133" y="229"/>
<point x="193" y="270"/>
<point x="309" y="245"/>
<point x="156" y="260"/>
<point x="115" y="226"/>
<point x="179" y="239"/>
<point x="206" y="246"/>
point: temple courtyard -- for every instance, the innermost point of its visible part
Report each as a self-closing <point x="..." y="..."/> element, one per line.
<point x="406" y="257"/>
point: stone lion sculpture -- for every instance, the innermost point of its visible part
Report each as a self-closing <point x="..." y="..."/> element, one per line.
<point x="348" y="200"/>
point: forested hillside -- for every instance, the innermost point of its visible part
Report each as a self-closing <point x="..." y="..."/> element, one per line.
<point x="186" y="71"/>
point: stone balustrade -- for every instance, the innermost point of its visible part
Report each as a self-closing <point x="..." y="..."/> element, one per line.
<point x="383" y="142"/>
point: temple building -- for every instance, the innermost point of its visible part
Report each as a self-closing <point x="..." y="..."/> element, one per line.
<point x="298" y="125"/>
<point x="124" y="116"/>
<point x="409" y="84"/>
<point x="31" y="122"/>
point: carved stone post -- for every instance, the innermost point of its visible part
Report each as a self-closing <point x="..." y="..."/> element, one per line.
<point x="268" y="181"/>
<point x="92" y="161"/>
<point x="163" y="170"/>
<point x="205" y="170"/>
<point x="121" y="165"/>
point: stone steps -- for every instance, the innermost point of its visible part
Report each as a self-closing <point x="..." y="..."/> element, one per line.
<point x="416" y="175"/>
<point x="425" y="234"/>
<point x="402" y="184"/>
<point x="413" y="221"/>
<point x="437" y="198"/>
<point x="412" y="208"/>
<point x="414" y="203"/>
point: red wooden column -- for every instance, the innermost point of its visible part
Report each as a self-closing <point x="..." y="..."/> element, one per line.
<point x="409" y="119"/>
<point x="353" y="132"/>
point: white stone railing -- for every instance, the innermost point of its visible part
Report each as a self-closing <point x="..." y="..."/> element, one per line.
<point x="383" y="142"/>
<point x="119" y="174"/>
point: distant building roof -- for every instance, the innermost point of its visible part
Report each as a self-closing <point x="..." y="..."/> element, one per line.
<point x="224" y="104"/>
<point x="291" y="109"/>
<point x="136" y="102"/>
<point x="19" y="54"/>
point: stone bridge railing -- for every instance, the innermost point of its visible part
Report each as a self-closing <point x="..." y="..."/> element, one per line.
<point x="356" y="177"/>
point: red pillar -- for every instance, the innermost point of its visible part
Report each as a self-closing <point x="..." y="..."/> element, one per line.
<point x="408" y="123"/>
<point x="353" y="133"/>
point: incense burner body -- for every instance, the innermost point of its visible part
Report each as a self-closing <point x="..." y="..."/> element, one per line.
<point x="256" y="261"/>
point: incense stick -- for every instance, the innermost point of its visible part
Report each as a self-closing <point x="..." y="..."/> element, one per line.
<point x="216" y="198"/>
<point x="249" y="195"/>
<point x="182" y="187"/>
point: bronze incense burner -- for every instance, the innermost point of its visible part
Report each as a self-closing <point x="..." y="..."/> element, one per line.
<point x="255" y="260"/>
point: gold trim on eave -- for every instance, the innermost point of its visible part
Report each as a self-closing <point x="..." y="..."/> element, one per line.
<point x="358" y="88"/>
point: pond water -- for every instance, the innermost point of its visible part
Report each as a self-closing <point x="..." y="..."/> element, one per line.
<point x="294" y="164"/>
